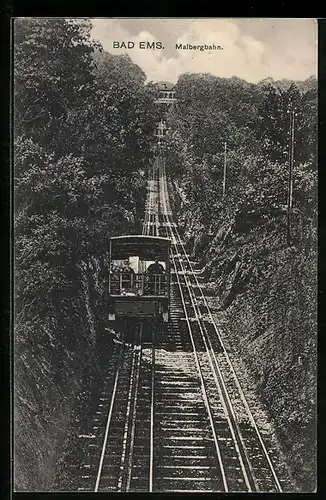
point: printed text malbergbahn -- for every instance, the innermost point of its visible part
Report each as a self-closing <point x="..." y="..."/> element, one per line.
<point x="189" y="46"/>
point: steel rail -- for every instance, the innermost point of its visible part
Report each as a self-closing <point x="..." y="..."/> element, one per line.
<point x="113" y="396"/>
<point x="243" y="398"/>
<point x="134" y="412"/>
<point x="145" y="223"/>
<point x="224" y="397"/>
<point x="131" y="409"/>
<point x="223" y="392"/>
<point x="152" y="227"/>
<point x="242" y="395"/>
<point x="199" y="370"/>
<point x="126" y="428"/>
<point x="201" y="378"/>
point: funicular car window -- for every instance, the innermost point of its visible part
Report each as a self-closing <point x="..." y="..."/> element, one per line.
<point x="139" y="266"/>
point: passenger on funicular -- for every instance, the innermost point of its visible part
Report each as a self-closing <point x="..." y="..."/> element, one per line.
<point x="155" y="268"/>
<point x="127" y="282"/>
<point x="156" y="283"/>
<point x="126" y="269"/>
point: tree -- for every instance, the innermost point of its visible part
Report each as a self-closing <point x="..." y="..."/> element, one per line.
<point x="52" y="73"/>
<point x="274" y="131"/>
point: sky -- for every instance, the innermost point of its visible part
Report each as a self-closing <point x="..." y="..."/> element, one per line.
<point x="253" y="49"/>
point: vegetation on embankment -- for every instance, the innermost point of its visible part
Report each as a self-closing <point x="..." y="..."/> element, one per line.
<point x="81" y="124"/>
<point x="265" y="283"/>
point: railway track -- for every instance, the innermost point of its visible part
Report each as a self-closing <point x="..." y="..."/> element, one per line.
<point x="125" y="436"/>
<point x="120" y="449"/>
<point x="175" y="417"/>
<point x="244" y="459"/>
<point x="151" y="220"/>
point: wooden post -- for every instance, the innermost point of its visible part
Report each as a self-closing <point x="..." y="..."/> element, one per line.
<point x="290" y="184"/>
<point x="224" y="171"/>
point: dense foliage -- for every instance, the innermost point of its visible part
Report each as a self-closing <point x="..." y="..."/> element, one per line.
<point x="253" y="123"/>
<point x="82" y="119"/>
<point x="265" y="282"/>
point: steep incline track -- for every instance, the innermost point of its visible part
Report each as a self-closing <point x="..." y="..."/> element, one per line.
<point x="174" y="417"/>
<point x="244" y="460"/>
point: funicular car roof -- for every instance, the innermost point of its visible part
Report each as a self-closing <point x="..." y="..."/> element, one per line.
<point x="146" y="247"/>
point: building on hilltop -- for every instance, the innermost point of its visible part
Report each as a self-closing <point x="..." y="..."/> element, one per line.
<point x="167" y="93"/>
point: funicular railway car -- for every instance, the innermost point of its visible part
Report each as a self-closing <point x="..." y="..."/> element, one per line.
<point x="139" y="277"/>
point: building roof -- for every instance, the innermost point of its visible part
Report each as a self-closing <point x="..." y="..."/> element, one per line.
<point x="142" y="245"/>
<point x="140" y="237"/>
<point x="164" y="85"/>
